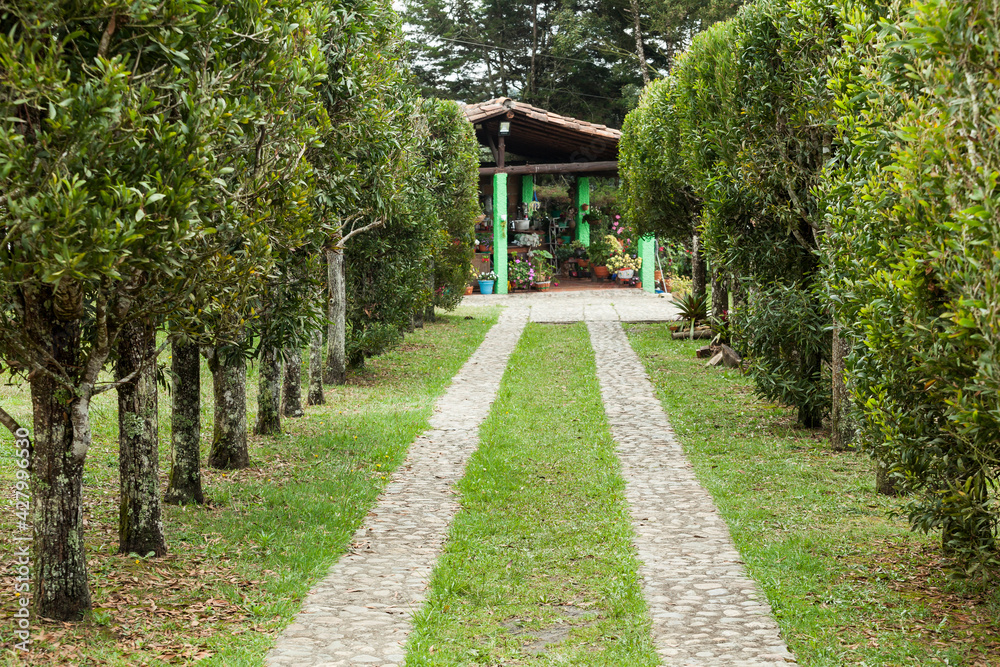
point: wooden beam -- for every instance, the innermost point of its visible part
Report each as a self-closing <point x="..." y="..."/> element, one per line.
<point x="493" y="148"/>
<point x="557" y="168"/>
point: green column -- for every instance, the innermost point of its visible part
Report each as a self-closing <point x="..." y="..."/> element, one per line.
<point x="527" y="190"/>
<point x="582" y="197"/>
<point x="500" y="232"/>
<point x="647" y="251"/>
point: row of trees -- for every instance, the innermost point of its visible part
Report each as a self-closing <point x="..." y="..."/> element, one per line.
<point x="841" y="159"/>
<point x="583" y="59"/>
<point x="186" y="168"/>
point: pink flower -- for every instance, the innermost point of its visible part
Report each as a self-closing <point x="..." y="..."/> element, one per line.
<point x="617" y="217"/>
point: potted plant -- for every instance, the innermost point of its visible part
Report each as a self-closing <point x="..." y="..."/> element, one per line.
<point x="600" y="251"/>
<point x="486" y="281"/>
<point x="518" y="273"/>
<point x="541" y="269"/>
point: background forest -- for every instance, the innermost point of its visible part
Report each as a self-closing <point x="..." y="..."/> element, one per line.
<point x="585" y="59"/>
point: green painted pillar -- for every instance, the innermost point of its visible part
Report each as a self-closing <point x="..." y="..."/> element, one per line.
<point x="647" y="251"/>
<point x="582" y="197"/>
<point x="527" y="190"/>
<point x="500" y="232"/>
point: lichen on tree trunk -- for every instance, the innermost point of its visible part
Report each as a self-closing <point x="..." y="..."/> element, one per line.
<point x="229" y="382"/>
<point x="841" y="428"/>
<point x="336" y="355"/>
<point x="269" y="391"/>
<point x="61" y="438"/>
<point x="315" y="396"/>
<point x="184" y="487"/>
<point x="140" y="525"/>
<point x="885" y="484"/>
<point x="291" y="394"/>
<point x="60" y="564"/>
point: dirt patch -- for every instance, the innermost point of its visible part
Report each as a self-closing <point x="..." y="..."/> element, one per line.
<point x="539" y="640"/>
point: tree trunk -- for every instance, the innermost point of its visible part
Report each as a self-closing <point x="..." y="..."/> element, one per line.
<point x="336" y="356"/>
<point x="429" y="311"/>
<point x="809" y="416"/>
<point x="533" y="78"/>
<point x="61" y="437"/>
<point x="737" y="292"/>
<point x="229" y="383"/>
<point x="184" y="487"/>
<point x="841" y="429"/>
<point x="639" y="50"/>
<point x="291" y="395"/>
<point x="417" y="319"/>
<point x="884" y="484"/>
<point x="140" y="525"/>
<point x="316" y="369"/>
<point x="720" y="295"/>
<point x="697" y="268"/>
<point x="269" y="391"/>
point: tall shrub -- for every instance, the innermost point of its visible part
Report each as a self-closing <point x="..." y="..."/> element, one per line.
<point x="452" y="154"/>
<point x="927" y="318"/>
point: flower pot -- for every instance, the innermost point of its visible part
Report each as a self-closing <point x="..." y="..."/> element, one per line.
<point x="468" y="290"/>
<point x="657" y="275"/>
<point x="486" y="286"/>
<point x="584" y="263"/>
<point x="541" y="287"/>
<point x="626" y="274"/>
<point x="601" y="272"/>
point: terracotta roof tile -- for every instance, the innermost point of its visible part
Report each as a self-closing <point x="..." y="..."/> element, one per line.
<point x="485" y="110"/>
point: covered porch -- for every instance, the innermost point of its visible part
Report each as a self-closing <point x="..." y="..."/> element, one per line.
<point x="520" y="143"/>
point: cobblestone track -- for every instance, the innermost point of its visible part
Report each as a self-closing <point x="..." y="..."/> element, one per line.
<point x="360" y="614"/>
<point x="705" y="609"/>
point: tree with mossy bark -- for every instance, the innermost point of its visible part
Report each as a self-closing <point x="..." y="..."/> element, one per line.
<point x="360" y="166"/>
<point x="108" y="174"/>
<point x="267" y="183"/>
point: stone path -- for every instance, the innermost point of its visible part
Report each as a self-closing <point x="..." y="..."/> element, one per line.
<point x="624" y="305"/>
<point x="360" y="613"/>
<point x="705" y="609"/>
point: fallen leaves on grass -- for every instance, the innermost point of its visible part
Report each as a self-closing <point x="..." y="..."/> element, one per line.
<point x="161" y="610"/>
<point x="954" y="613"/>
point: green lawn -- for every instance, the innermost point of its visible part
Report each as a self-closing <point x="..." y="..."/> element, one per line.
<point x="238" y="568"/>
<point x="848" y="585"/>
<point x="539" y="567"/>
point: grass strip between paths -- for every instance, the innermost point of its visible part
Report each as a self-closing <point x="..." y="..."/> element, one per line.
<point x="238" y="568"/>
<point x="848" y="584"/>
<point x="539" y="568"/>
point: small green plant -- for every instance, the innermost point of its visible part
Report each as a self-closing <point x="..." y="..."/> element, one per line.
<point x="720" y="327"/>
<point x="693" y="307"/>
<point x="564" y="252"/>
